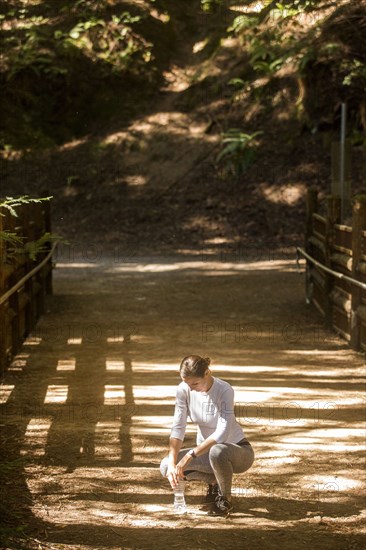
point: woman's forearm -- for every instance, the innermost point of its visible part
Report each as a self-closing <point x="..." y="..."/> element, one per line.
<point x="204" y="447"/>
<point x="175" y="446"/>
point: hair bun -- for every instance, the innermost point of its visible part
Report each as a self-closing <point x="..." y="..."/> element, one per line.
<point x="208" y="361"/>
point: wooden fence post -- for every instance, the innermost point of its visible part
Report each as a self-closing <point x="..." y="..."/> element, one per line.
<point x="2" y="307"/>
<point x="358" y="225"/>
<point x="333" y="216"/>
<point x="311" y="208"/>
<point x="21" y="308"/>
<point x="47" y="228"/>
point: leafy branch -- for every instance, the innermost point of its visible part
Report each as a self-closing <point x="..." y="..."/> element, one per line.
<point x="15" y="244"/>
<point x="10" y="203"/>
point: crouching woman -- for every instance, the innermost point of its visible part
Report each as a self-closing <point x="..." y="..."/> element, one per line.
<point x="221" y="446"/>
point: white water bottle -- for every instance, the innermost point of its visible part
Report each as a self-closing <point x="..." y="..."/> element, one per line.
<point x="179" y="500"/>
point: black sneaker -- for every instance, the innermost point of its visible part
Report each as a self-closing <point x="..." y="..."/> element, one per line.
<point x="221" y="507"/>
<point x="212" y="493"/>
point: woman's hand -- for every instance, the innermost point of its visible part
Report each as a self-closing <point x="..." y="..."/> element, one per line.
<point x="175" y="472"/>
<point x="182" y="465"/>
<point x="172" y="475"/>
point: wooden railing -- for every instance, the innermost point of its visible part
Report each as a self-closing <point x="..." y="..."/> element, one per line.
<point x="336" y="266"/>
<point x="24" y="283"/>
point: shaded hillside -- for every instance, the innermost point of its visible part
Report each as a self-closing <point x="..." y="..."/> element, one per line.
<point x="71" y="66"/>
<point x="141" y="173"/>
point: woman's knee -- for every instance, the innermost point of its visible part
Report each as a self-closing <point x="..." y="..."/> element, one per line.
<point x="164" y="466"/>
<point x="245" y="462"/>
<point x="218" y="452"/>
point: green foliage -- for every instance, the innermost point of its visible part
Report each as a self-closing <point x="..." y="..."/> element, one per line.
<point x="80" y="53"/>
<point x="210" y="6"/>
<point x="265" y="57"/>
<point x="11" y="239"/>
<point x="297" y="5"/>
<point x="318" y="45"/>
<point x="15" y="244"/>
<point x="243" y="22"/>
<point x="44" y="51"/>
<point x="28" y="47"/>
<point x="111" y="41"/>
<point x="296" y="36"/>
<point x="355" y="71"/>
<point x="275" y="36"/>
<point x="239" y="150"/>
<point x="268" y="67"/>
<point x="33" y="248"/>
<point x="291" y="8"/>
<point x="237" y="83"/>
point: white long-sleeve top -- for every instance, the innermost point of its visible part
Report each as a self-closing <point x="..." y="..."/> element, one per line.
<point x="212" y="411"/>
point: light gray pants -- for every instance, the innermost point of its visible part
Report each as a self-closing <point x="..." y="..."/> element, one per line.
<point x="218" y="465"/>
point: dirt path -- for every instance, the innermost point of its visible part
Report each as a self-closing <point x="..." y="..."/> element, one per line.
<point x="87" y="406"/>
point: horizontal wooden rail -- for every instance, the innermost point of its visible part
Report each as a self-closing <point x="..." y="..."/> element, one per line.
<point x="336" y="274"/>
<point x="335" y="254"/>
<point x="5" y="297"/>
